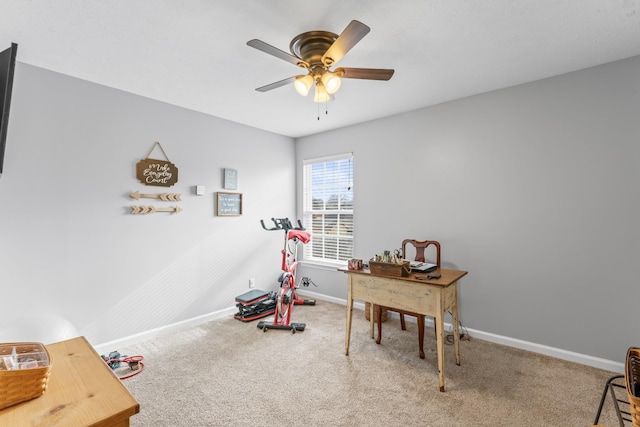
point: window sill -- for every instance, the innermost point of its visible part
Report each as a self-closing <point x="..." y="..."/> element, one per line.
<point x="323" y="265"/>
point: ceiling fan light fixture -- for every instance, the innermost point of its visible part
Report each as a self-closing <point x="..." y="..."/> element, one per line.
<point x="331" y="82"/>
<point x="303" y="84"/>
<point x="317" y="51"/>
<point x="321" y="94"/>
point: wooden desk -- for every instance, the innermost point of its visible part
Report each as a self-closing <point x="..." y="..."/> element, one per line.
<point x="429" y="297"/>
<point x="82" y="391"/>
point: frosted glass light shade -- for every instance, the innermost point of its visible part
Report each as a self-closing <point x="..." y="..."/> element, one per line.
<point x="331" y="82"/>
<point x="303" y="84"/>
<point x="321" y="94"/>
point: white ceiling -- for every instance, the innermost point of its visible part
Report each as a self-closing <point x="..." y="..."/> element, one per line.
<point x="193" y="53"/>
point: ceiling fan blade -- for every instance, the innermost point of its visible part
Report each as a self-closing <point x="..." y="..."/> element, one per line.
<point x="351" y="35"/>
<point x="267" y="48"/>
<point x="365" y="73"/>
<point x="276" y="84"/>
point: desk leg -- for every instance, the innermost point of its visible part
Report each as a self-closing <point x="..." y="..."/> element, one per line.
<point x="454" y="319"/>
<point x="349" y="313"/>
<point x="440" y="347"/>
<point x="371" y="319"/>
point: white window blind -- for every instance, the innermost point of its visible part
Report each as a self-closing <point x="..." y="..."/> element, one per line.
<point x="328" y="208"/>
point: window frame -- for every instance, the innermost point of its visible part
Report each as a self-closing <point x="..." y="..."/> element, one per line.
<point x="340" y="256"/>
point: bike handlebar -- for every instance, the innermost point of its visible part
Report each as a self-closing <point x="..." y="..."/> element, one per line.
<point x="282" y="224"/>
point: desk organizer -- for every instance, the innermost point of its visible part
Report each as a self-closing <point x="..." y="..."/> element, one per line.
<point x="24" y="372"/>
<point x="393" y="269"/>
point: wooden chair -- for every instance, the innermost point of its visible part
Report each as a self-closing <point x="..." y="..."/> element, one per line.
<point x="420" y="248"/>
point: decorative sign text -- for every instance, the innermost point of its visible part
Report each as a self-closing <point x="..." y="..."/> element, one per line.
<point x="230" y="179"/>
<point x="229" y="203"/>
<point x="161" y="173"/>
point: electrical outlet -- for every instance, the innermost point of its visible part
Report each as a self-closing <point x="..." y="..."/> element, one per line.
<point x="252" y="283"/>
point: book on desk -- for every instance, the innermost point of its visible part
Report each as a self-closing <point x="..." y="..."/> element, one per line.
<point x="422" y="267"/>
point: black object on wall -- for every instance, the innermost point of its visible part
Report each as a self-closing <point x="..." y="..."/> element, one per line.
<point x="7" y="67"/>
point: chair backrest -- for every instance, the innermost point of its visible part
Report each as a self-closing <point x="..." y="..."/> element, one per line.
<point x="420" y="247"/>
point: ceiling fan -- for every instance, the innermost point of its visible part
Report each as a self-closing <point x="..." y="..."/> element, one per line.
<point x="317" y="52"/>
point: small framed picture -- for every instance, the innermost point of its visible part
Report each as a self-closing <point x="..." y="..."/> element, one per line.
<point x="230" y="179"/>
<point x="229" y="204"/>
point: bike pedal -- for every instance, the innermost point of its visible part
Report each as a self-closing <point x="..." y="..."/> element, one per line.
<point x="309" y="302"/>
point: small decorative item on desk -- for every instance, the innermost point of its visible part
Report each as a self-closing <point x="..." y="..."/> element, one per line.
<point x="24" y="372"/>
<point x="354" y="264"/>
<point x="389" y="265"/>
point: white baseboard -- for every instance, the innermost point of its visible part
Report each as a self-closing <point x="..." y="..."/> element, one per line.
<point x="558" y="353"/>
<point x="121" y="343"/>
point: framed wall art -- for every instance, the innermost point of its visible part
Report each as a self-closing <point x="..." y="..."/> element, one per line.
<point x="230" y="179"/>
<point x="228" y="204"/>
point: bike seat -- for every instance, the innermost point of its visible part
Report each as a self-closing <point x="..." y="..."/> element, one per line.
<point x="301" y="235"/>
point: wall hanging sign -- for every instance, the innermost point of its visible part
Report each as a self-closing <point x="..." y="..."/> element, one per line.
<point x="229" y="204"/>
<point x="230" y="179"/>
<point x="161" y="173"/>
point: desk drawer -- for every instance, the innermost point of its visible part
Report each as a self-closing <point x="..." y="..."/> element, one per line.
<point x="404" y="295"/>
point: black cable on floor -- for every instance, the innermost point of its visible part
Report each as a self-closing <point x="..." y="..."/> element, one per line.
<point x="464" y="334"/>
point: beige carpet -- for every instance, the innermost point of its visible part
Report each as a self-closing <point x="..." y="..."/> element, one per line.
<point x="230" y="373"/>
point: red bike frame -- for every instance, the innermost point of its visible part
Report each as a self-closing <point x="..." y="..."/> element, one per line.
<point x="289" y="292"/>
<point x="288" y="296"/>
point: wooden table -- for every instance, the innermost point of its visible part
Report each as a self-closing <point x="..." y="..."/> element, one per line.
<point x="82" y="391"/>
<point x="429" y="297"/>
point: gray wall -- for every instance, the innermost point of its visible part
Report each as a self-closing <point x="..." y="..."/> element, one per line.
<point x="532" y="189"/>
<point x="71" y="248"/>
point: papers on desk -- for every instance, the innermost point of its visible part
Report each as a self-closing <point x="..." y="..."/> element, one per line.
<point x="422" y="267"/>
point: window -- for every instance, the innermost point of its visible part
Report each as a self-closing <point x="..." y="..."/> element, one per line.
<point x="328" y="208"/>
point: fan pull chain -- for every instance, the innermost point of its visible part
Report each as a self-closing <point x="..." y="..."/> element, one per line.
<point x="326" y="108"/>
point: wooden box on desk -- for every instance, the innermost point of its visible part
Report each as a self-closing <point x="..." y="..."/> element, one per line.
<point x="390" y="268"/>
<point x="28" y="378"/>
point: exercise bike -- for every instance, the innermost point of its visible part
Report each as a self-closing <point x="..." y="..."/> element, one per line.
<point x="288" y="296"/>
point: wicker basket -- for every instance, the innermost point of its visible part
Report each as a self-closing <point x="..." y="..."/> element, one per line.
<point x="29" y="378"/>
<point x="632" y="380"/>
<point x="390" y="268"/>
<point x="383" y="314"/>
